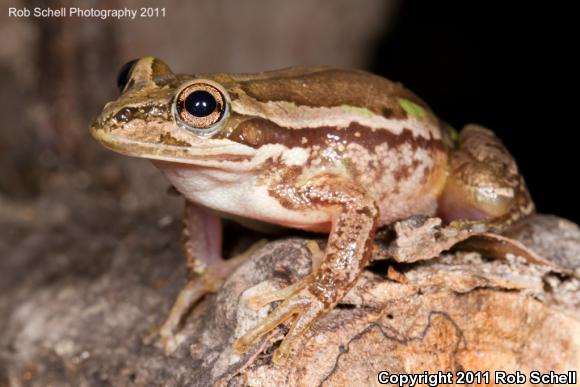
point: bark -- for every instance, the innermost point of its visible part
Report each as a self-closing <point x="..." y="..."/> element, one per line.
<point x="77" y="302"/>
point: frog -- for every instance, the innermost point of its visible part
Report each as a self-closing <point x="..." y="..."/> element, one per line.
<point x="340" y="152"/>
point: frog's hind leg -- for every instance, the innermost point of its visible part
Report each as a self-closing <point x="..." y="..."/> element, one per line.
<point x="484" y="187"/>
<point x="206" y="270"/>
<point x="484" y="193"/>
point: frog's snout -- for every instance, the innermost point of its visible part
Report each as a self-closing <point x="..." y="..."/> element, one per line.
<point x="99" y="121"/>
<point x="97" y="127"/>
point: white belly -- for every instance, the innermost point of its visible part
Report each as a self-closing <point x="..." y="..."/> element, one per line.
<point x="238" y="194"/>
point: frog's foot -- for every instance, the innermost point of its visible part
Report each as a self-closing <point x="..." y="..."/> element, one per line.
<point x="210" y="281"/>
<point x="298" y="303"/>
<point x="259" y="301"/>
<point x="195" y="289"/>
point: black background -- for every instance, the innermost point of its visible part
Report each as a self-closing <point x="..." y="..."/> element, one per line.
<point x="512" y="69"/>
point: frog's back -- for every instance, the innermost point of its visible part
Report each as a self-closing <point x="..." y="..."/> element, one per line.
<point x="351" y="123"/>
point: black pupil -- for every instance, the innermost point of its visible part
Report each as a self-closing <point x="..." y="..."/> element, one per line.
<point x="200" y="103"/>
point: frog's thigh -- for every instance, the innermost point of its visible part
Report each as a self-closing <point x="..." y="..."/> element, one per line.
<point x="201" y="239"/>
<point x="354" y="217"/>
<point x="484" y="182"/>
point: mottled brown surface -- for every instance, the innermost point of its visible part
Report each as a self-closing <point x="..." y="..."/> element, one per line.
<point x="76" y="302"/>
<point x="89" y="246"/>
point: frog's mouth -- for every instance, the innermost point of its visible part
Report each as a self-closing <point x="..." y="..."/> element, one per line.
<point x="222" y="153"/>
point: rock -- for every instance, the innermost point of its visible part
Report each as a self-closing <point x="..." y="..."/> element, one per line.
<point x="77" y="302"/>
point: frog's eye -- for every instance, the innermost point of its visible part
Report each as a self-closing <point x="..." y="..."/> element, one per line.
<point x="125" y="74"/>
<point x="201" y="108"/>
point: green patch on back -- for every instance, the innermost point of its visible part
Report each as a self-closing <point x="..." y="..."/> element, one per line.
<point x="357" y="110"/>
<point x="412" y="108"/>
<point x="452" y="133"/>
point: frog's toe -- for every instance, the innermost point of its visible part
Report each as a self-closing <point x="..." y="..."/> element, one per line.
<point x="198" y="285"/>
<point x="303" y="306"/>
<point x="260" y="300"/>
<point x="170" y="341"/>
<point x="194" y="290"/>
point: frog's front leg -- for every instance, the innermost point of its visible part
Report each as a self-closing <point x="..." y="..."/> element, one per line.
<point x="206" y="270"/>
<point x="353" y="215"/>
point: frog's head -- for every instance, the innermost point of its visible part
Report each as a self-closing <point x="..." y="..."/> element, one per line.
<point x="228" y="119"/>
<point x="163" y="116"/>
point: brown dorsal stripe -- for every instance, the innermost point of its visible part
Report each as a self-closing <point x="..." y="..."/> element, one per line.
<point x="256" y="132"/>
